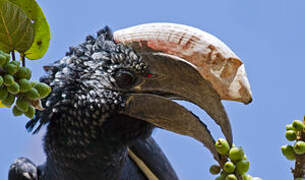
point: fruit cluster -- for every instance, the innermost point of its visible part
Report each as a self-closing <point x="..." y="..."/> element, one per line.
<point x="238" y="165"/>
<point x="294" y="133"/>
<point x="15" y="84"/>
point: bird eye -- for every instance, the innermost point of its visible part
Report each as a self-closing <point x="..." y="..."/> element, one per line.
<point x="124" y="79"/>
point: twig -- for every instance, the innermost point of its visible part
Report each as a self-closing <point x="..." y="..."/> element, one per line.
<point x="299" y="170"/>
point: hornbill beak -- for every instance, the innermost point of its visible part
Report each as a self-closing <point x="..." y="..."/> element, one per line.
<point x="186" y="64"/>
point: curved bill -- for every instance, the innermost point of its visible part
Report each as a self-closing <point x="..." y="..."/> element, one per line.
<point x="171" y="116"/>
<point x="174" y="78"/>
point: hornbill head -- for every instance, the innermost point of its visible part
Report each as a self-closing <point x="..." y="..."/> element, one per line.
<point x="137" y="72"/>
<point x="184" y="63"/>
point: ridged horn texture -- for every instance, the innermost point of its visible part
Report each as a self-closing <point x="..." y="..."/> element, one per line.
<point x="215" y="61"/>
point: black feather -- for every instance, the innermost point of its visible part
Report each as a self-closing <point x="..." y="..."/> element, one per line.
<point x="87" y="137"/>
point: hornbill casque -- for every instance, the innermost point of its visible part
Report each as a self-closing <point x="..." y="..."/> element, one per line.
<point x="110" y="92"/>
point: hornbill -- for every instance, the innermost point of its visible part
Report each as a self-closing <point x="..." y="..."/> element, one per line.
<point x="110" y="92"/>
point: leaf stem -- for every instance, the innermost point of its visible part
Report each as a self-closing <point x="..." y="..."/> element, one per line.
<point x="13" y="55"/>
<point x="23" y="60"/>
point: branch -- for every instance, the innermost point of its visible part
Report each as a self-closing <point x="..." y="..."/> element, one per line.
<point x="299" y="170"/>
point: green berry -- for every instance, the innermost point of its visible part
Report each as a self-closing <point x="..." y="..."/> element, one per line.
<point x="11" y="68"/>
<point x="220" y="178"/>
<point x="291" y="135"/>
<point x="9" y="100"/>
<point x="299" y="147"/>
<point x="215" y="169"/>
<point x="43" y="89"/>
<point x="33" y="83"/>
<point x="289" y="127"/>
<point x="5" y="54"/>
<point x="32" y="94"/>
<point x="298" y="125"/>
<point x="223" y="173"/>
<point x="229" y="167"/>
<point x="21" y="73"/>
<point x="222" y="146"/>
<point x="8" y="80"/>
<point x="17" y="63"/>
<point x="3" y="93"/>
<point x="16" y="111"/>
<point x="242" y="166"/>
<point x="3" y="60"/>
<point x="236" y="154"/>
<point x="28" y="73"/>
<point x="1" y="80"/>
<point x="14" y="88"/>
<point x="2" y="57"/>
<point x="25" y="85"/>
<point x="288" y="152"/>
<point x="24" y="72"/>
<point x="247" y="177"/>
<point x="231" y="177"/>
<point x="30" y="113"/>
<point x="22" y="104"/>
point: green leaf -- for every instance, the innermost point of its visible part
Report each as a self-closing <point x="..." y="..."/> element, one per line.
<point x="41" y="27"/>
<point x="16" y="29"/>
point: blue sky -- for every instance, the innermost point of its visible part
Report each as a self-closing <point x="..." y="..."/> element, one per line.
<point x="269" y="36"/>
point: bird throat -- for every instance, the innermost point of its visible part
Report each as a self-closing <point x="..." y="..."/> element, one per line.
<point x="87" y="135"/>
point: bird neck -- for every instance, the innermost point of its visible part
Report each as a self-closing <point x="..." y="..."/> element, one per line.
<point x="84" y="159"/>
<point x="91" y="151"/>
